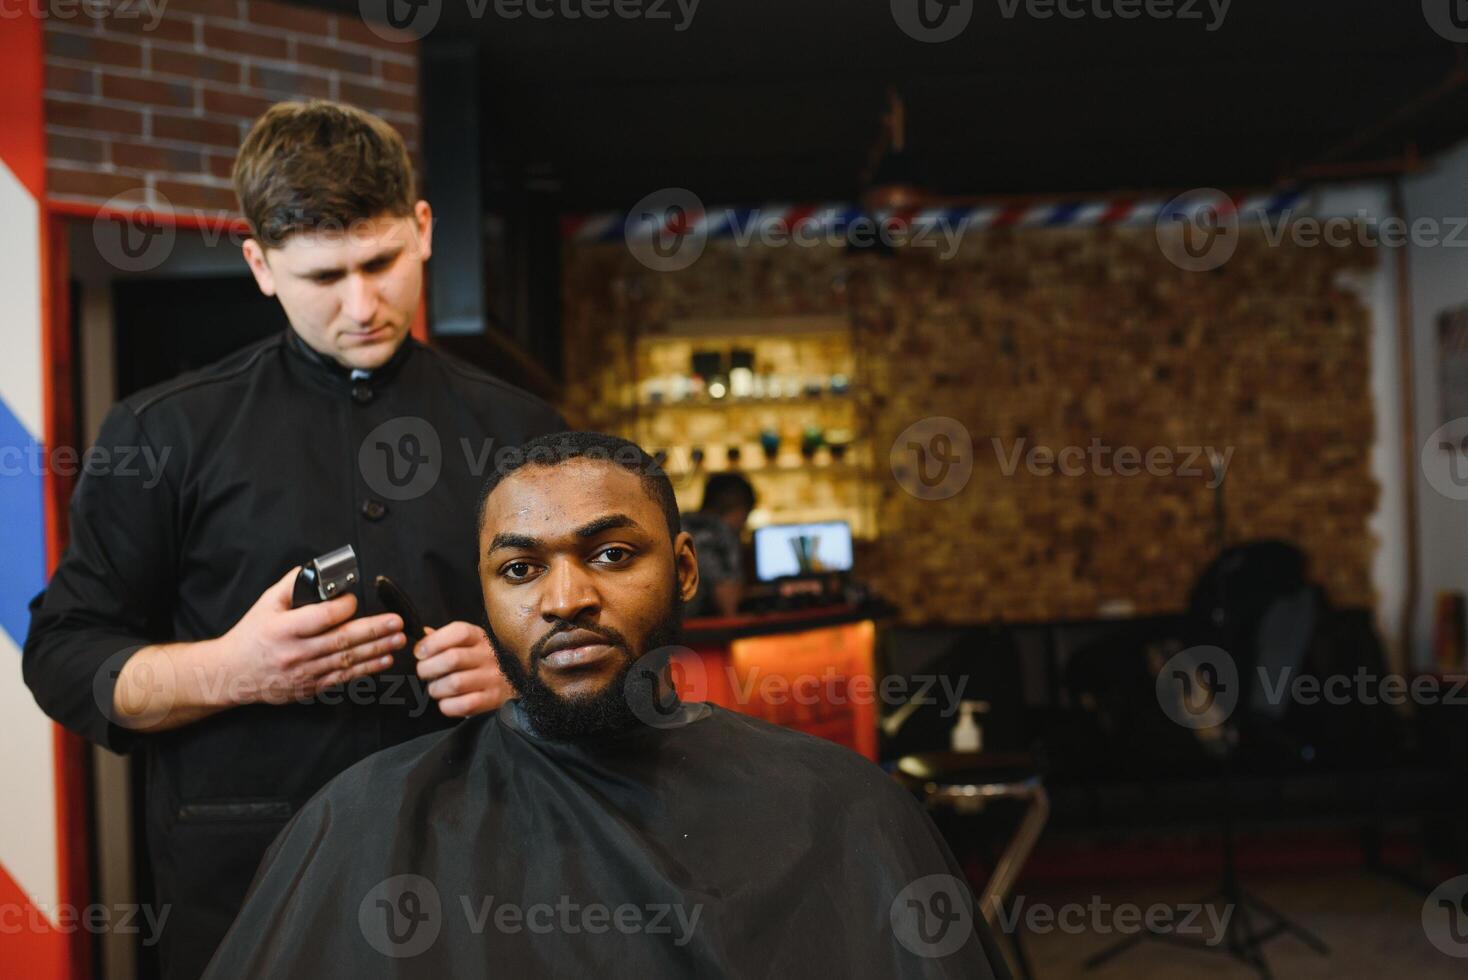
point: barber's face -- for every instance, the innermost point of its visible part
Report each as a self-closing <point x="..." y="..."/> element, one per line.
<point x="578" y="573"/>
<point x="351" y="294"/>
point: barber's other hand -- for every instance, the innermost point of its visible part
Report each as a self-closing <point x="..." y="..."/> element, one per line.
<point x="276" y="654"/>
<point x="463" y="676"/>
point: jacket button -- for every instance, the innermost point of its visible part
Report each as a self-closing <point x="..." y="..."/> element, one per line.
<point x="374" y="510"/>
<point x="362" y="393"/>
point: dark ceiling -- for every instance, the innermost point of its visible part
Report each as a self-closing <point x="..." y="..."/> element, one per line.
<point x="769" y="100"/>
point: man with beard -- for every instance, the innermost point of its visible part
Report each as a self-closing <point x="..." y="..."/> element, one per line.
<point x="596" y="822"/>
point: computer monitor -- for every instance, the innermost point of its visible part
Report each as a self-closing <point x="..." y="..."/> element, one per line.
<point x="791" y="550"/>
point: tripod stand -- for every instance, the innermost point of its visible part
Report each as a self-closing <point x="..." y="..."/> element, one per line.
<point x="1240" y="937"/>
<point x="1233" y="607"/>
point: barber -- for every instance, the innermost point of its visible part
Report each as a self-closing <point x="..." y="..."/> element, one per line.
<point x="168" y="627"/>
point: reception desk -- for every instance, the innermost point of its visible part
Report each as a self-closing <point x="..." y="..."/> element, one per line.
<point x="812" y="670"/>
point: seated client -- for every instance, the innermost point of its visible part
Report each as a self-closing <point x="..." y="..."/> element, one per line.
<point x="597" y="825"/>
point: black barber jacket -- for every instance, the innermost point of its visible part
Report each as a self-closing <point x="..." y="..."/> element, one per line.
<point x="200" y="494"/>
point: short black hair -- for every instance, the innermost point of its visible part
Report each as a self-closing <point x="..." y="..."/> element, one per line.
<point x="562" y="447"/>
<point x="725" y="492"/>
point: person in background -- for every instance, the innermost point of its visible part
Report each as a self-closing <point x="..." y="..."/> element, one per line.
<point x="716" y="527"/>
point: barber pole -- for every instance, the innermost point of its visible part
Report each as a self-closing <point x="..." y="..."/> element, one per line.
<point x="42" y="819"/>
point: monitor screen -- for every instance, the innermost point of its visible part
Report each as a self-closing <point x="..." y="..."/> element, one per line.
<point x="785" y="550"/>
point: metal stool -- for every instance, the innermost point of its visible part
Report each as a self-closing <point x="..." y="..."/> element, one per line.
<point x="966" y="782"/>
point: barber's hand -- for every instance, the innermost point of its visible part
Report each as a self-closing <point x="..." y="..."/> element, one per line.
<point x="462" y="673"/>
<point x="276" y="654"/>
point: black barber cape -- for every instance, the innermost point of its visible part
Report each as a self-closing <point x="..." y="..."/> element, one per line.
<point x="214" y="485"/>
<point x="723" y="847"/>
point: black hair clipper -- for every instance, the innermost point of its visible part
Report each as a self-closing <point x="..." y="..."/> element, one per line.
<point x="327" y="577"/>
<point x="395" y="600"/>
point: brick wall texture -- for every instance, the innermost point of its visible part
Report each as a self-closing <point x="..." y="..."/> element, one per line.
<point x="154" y="108"/>
<point x="1058" y="338"/>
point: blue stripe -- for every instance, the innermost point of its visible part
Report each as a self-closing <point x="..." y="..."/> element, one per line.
<point x="1171" y="209"/>
<point x="22" y="511"/>
<point x="1063" y="213"/>
<point x="618" y="230"/>
<point x="1284" y="201"/>
<point x="738" y="218"/>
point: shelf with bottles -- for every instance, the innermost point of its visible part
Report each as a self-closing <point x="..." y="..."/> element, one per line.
<point x="757" y="436"/>
<point x="714" y="371"/>
<point x="834" y="452"/>
<point x="689" y="393"/>
<point x="774" y="401"/>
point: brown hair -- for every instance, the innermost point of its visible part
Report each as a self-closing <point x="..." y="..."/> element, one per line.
<point x="318" y="165"/>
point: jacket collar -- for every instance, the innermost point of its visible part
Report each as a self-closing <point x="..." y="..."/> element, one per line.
<point x="319" y="365"/>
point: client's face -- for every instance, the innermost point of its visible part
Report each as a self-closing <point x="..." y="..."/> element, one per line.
<point x="579" y="579"/>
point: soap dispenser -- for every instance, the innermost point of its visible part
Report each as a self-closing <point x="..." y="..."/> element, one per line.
<point x="967" y="736"/>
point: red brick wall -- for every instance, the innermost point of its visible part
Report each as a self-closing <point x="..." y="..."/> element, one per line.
<point x="157" y="111"/>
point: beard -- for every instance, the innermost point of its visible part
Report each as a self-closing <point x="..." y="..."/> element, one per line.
<point x="558" y="717"/>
